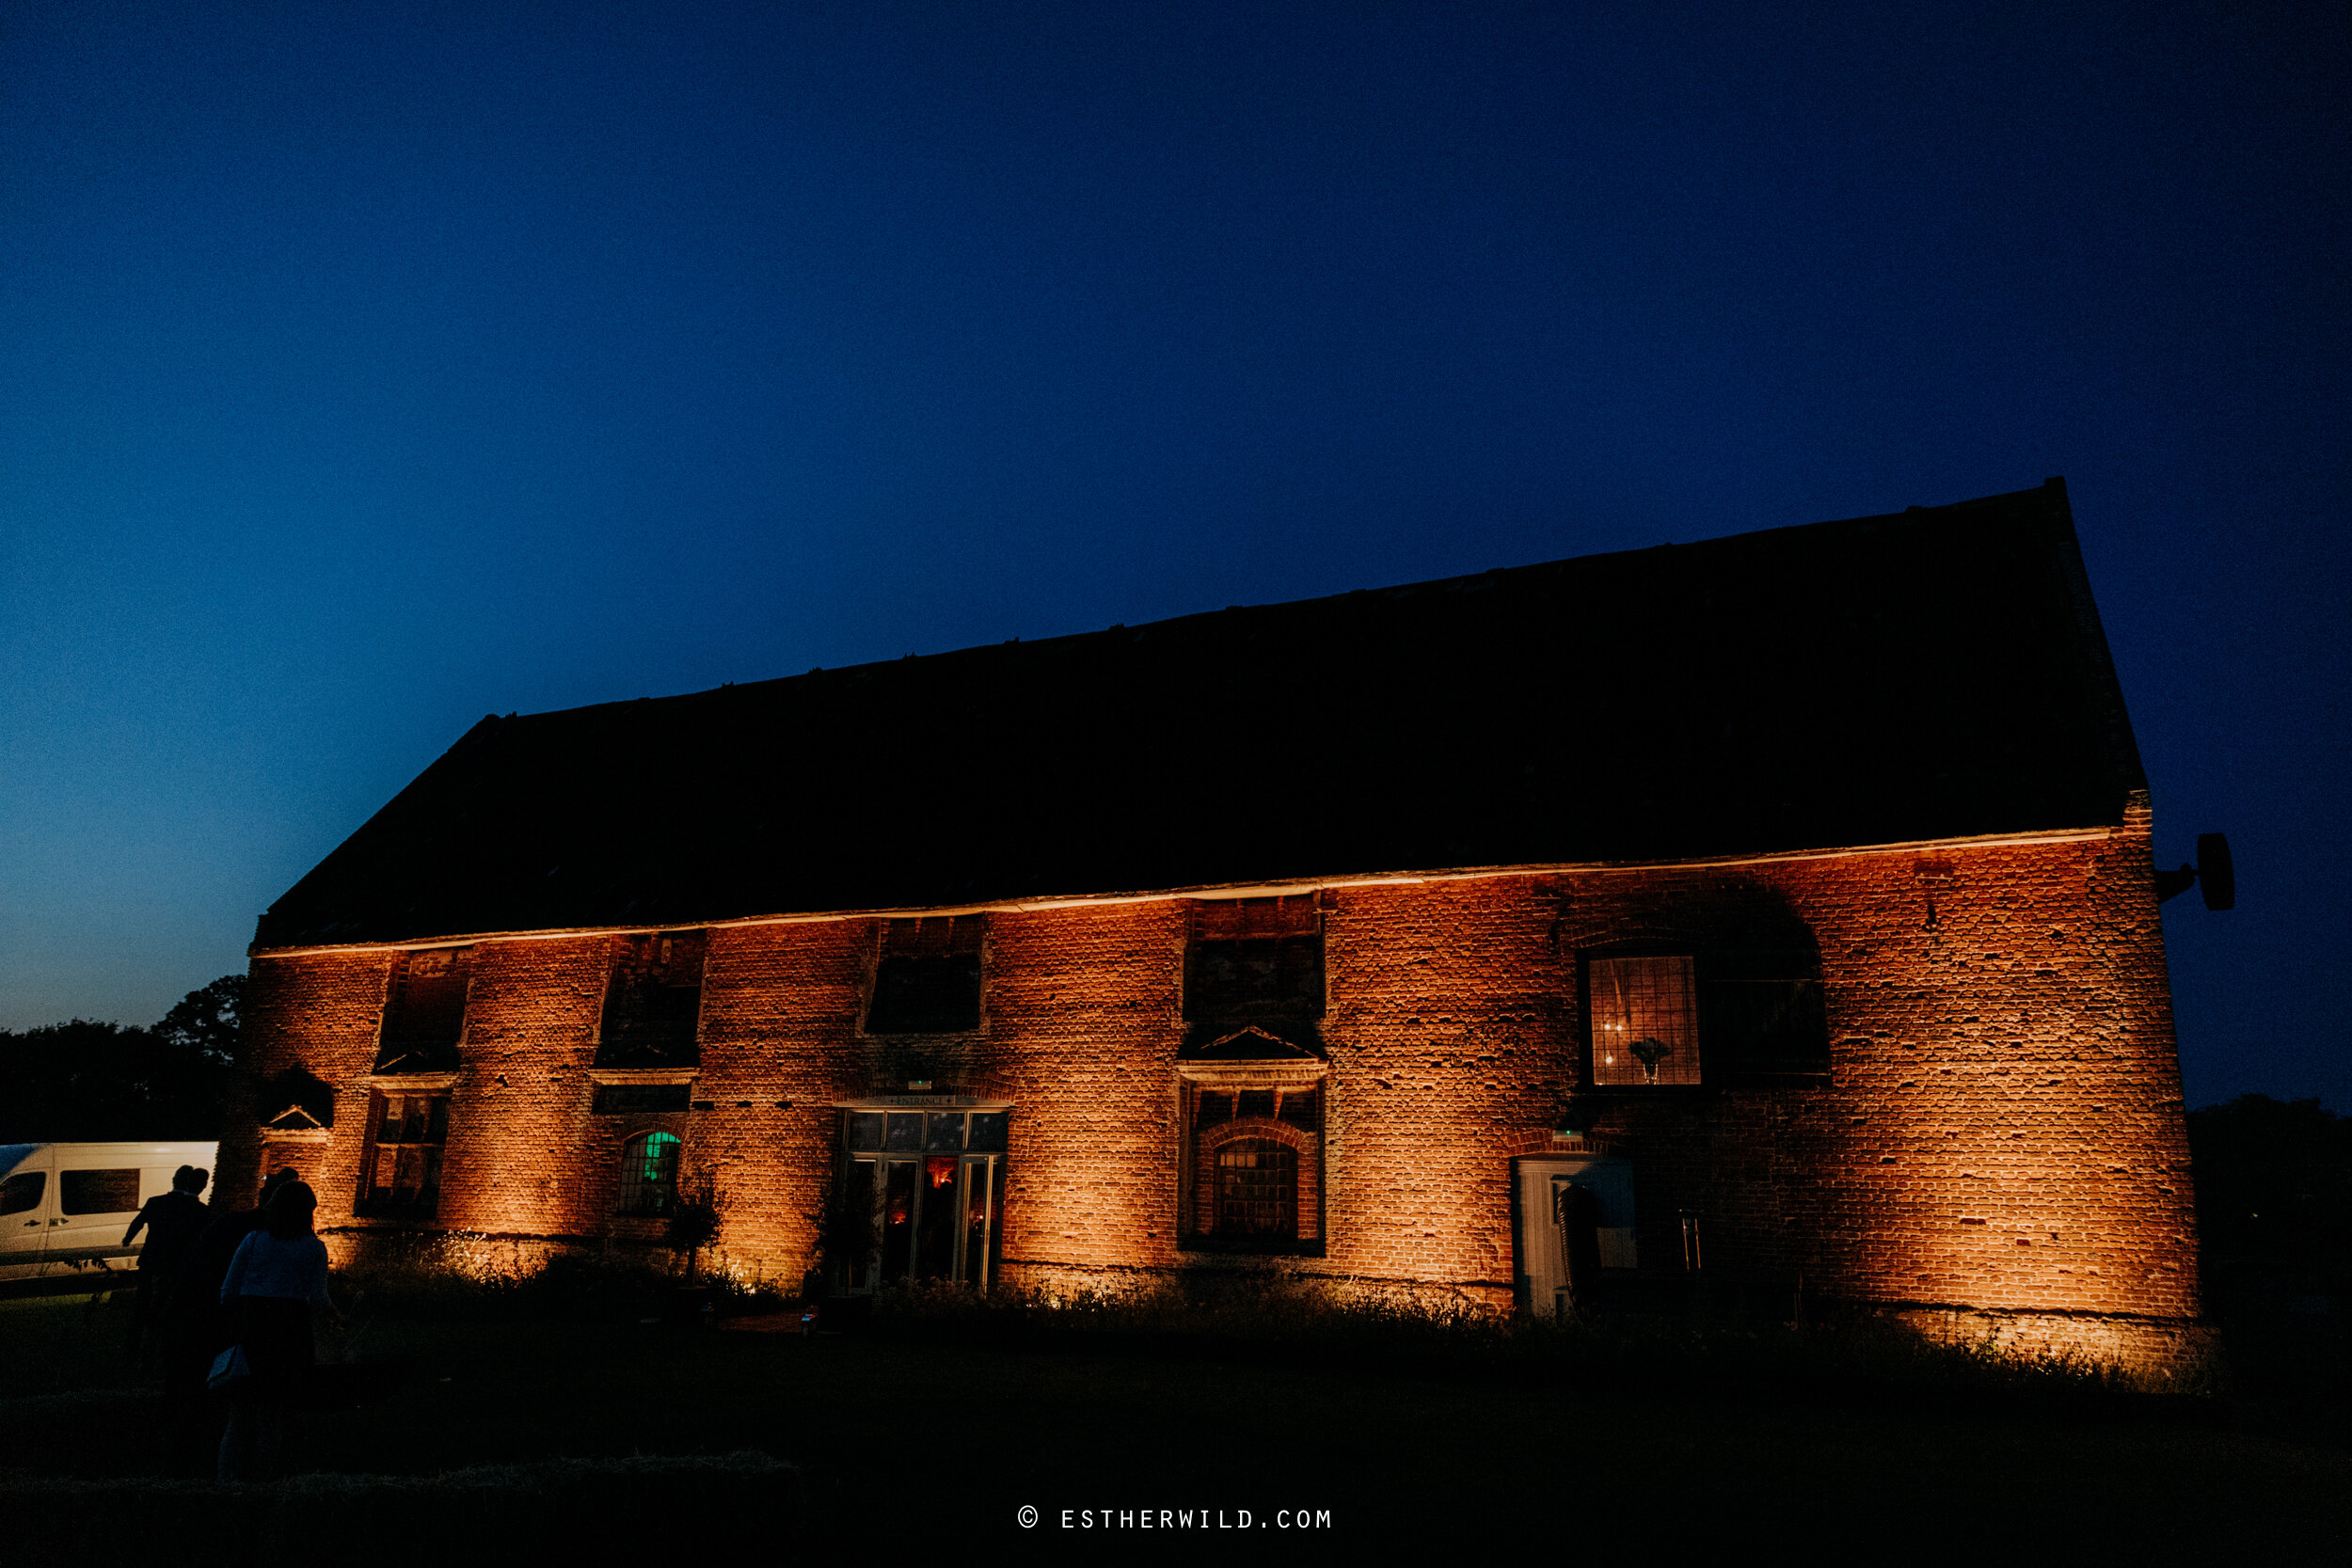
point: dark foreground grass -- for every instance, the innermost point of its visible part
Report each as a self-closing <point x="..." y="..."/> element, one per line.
<point x="636" y="1510"/>
<point x="936" y="1427"/>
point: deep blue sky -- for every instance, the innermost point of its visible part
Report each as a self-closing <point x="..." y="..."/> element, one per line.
<point x="367" y="369"/>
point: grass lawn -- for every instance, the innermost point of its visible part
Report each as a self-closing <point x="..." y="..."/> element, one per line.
<point x="935" y="1445"/>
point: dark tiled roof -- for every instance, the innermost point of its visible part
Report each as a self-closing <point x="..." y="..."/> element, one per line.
<point x="1935" y="673"/>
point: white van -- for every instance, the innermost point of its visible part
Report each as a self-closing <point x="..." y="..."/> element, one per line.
<point x="64" y="1207"/>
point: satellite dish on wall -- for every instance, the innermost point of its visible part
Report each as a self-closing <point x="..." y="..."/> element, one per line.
<point x="2214" y="874"/>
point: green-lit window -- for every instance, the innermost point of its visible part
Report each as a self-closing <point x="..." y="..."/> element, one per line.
<point x="649" y="1174"/>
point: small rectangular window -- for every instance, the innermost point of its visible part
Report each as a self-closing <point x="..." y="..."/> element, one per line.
<point x="400" y="1169"/>
<point x="1256" y="919"/>
<point x="653" y="1002"/>
<point x="1257" y="1190"/>
<point x="97" y="1192"/>
<point x="21" y="1194"/>
<point x="1644" y="1020"/>
<point x="926" y="980"/>
<point x="1255" y="958"/>
<point x="612" y="1099"/>
<point x="424" y="1011"/>
<point x="649" y="1174"/>
<point x="1761" y="1012"/>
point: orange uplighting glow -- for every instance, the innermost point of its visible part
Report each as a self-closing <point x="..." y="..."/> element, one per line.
<point x="1947" y="1066"/>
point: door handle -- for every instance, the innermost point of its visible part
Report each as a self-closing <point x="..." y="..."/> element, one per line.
<point x="32" y="1222"/>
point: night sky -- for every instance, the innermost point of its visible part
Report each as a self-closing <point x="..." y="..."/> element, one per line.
<point x="364" y="370"/>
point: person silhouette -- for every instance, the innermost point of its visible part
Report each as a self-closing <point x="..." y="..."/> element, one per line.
<point x="197" y="1329"/>
<point x="173" y="1221"/>
<point x="275" y="1282"/>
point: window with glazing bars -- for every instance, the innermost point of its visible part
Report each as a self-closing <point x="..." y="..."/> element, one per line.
<point x="1257" y="1189"/>
<point x="927" y="979"/>
<point x="653" y="1002"/>
<point x="1644" y="1020"/>
<point x="920" y="1195"/>
<point x="1255" y="958"/>
<point x="1761" y="1013"/>
<point x="649" y="1174"/>
<point x="400" y="1169"/>
<point x="424" y="1011"/>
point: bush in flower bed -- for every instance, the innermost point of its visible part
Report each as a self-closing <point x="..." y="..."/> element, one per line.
<point x="437" y="1276"/>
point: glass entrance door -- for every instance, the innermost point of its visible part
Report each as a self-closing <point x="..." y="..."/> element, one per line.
<point x="933" y="1183"/>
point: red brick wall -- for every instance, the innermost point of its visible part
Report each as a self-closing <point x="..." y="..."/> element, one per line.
<point x="321" y="1012"/>
<point x="1084" y="1020"/>
<point x="2001" y="1129"/>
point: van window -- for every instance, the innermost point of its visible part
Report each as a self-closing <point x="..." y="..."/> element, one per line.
<point x="98" y="1192"/>
<point x="22" y="1191"/>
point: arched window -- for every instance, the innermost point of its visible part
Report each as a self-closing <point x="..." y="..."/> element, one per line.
<point x="1257" y="1189"/>
<point x="649" y="1174"/>
<point x="1252" y="1176"/>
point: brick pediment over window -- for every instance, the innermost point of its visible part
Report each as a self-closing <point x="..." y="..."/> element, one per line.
<point x="295" y="1100"/>
<point x="1251" y="1057"/>
<point x="1248" y="1044"/>
<point x="1252" y="1100"/>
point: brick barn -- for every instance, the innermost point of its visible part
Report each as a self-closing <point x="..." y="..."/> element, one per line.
<point x="1776" y="911"/>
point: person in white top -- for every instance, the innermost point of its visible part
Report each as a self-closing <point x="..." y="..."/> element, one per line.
<point x="277" y="1279"/>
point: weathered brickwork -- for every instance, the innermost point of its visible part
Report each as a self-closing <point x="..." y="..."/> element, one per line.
<point x="1999" y="1139"/>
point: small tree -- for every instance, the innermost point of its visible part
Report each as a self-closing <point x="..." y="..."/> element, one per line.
<point x="845" y="1234"/>
<point x="694" y="1223"/>
<point x="208" y="1023"/>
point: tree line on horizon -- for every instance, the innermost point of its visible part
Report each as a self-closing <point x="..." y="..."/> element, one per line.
<point x="2274" y="1204"/>
<point x="89" y="1082"/>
